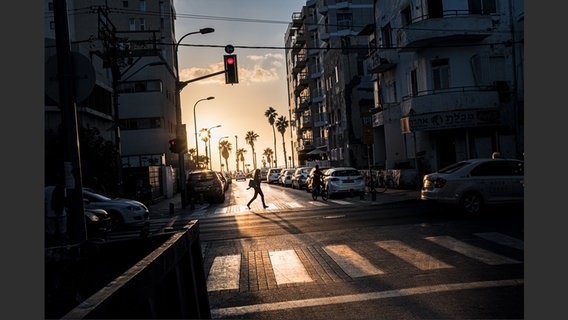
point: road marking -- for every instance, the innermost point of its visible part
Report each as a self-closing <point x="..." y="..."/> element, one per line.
<point x="340" y="202"/>
<point x="317" y="203"/>
<point x="294" y="205"/>
<point x="351" y="262"/>
<point x="419" y="259"/>
<point x="288" y="268"/>
<point x="502" y="239"/>
<point x="468" y="250"/>
<point x="304" y="303"/>
<point x="224" y="274"/>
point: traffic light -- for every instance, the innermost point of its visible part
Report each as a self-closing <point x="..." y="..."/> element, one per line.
<point x="231" y="72"/>
<point x="173" y="145"/>
<point x="178" y="145"/>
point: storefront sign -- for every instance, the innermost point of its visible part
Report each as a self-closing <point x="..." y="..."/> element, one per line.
<point x="449" y="120"/>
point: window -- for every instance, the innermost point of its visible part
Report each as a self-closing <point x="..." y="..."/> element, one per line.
<point x="440" y="74"/>
<point x="413" y="83"/>
<point x="140" y="86"/>
<point x="386" y="33"/>
<point x="344" y="21"/>
<point x="50" y="6"/>
<point x="132" y="24"/>
<point x="405" y="16"/>
<point x="142" y="22"/>
<point x="125" y="4"/>
<point x="52" y="25"/>
<point x="142" y="5"/>
<point x="482" y="6"/>
<point x="140" y="123"/>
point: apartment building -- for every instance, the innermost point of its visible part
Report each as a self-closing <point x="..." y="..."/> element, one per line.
<point x="129" y="46"/>
<point x="448" y="81"/>
<point x="330" y="98"/>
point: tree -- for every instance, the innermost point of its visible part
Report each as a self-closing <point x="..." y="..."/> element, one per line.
<point x="282" y="124"/>
<point x="241" y="156"/>
<point x="271" y="114"/>
<point x="192" y="155"/>
<point x="225" y="148"/>
<point x="268" y="153"/>
<point x="250" y="138"/>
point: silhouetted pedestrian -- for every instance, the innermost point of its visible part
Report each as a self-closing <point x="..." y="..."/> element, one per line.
<point x="257" y="190"/>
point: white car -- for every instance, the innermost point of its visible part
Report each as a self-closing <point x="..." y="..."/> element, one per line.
<point x="343" y="180"/>
<point x="285" y="178"/>
<point x="272" y="175"/>
<point x="474" y="183"/>
<point x="240" y="176"/>
<point x="123" y="212"/>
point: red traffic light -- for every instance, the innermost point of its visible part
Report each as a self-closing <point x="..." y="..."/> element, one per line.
<point x="230" y="60"/>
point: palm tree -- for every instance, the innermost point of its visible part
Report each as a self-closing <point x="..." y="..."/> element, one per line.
<point x="271" y="114"/>
<point x="268" y="153"/>
<point x="225" y="148"/>
<point x="241" y="156"/>
<point x="282" y="124"/>
<point x="193" y="158"/>
<point x="250" y="138"/>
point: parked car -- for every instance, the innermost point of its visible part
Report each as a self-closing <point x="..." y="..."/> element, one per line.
<point x="285" y="178"/>
<point x="273" y="175"/>
<point x="263" y="173"/>
<point x="343" y="180"/>
<point x="98" y="222"/>
<point x="228" y="177"/>
<point x="123" y="212"/>
<point x="475" y="183"/>
<point x="240" y="176"/>
<point x="310" y="176"/>
<point x="223" y="180"/>
<point x="299" y="178"/>
<point x="205" y="183"/>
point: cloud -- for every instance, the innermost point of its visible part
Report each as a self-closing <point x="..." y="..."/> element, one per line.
<point x="252" y="69"/>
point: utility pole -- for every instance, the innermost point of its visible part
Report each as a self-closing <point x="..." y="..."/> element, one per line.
<point x="76" y="227"/>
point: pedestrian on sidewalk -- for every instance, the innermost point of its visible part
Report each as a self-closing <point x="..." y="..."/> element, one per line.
<point x="255" y="181"/>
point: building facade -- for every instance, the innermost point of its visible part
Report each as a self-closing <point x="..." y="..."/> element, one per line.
<point x="129" y="45"/>
<point x="448" y="81"/>
<point x="330" y="98"/>
<point x="445" y="77"/>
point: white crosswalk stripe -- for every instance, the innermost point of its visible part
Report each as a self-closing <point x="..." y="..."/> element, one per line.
<point x="502" y="239"/>
<point x="420" y="260"/>
<point x="470" y="251"/>
<point x="288" y="268"/>
<point x="351" y="262"/>
<point x="225" y="273"/>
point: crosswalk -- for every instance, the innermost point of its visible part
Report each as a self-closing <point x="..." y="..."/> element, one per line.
<point x="296" y="266"/>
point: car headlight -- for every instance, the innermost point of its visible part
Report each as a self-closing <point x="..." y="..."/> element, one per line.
<point x="91" y="216"/>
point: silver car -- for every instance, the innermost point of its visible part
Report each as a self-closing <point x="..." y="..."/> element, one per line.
<point x="123" y="212"/>
<point x="475" y="183"/>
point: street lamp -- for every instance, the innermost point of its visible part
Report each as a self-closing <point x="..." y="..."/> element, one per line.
<point x="195" y="126"/>
<point x="219" y="148"/>
<point x="180" y="130"/>
<point x="210" y="150"/>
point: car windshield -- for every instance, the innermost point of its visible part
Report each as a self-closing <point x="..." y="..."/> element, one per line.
<point x="345" y="173"/>
<point x="202" y="176"/>
<point x="95" y="197"/>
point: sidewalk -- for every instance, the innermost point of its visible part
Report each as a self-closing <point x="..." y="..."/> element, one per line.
<point x="172" y="206"/>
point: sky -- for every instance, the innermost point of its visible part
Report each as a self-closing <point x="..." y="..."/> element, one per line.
<point x="256" y="28"/>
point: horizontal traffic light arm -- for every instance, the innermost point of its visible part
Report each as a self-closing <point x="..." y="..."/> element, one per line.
<point x="182" y="84"/>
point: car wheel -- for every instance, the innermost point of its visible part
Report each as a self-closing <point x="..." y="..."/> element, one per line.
<point x="221" y="198"/>
<point x="471" y="202"/>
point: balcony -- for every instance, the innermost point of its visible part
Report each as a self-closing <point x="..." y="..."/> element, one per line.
<point x="465" y="98"/>
<point x="300" y="61"/>
<point x="453" y="29"/>
<point x="381" y="60"/>
<point x="297" y="19"/>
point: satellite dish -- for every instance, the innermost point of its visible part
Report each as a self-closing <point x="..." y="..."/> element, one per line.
<point x="84" y="75"/>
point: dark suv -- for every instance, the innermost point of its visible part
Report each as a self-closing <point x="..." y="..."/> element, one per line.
<point x="206" y="184"/>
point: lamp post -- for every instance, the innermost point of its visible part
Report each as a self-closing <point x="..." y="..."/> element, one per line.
<point x="210" y="150"/>
<point x="180" y="130"/>
<point x="219" y="148"/>
<point x="195" y="126"/>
